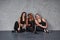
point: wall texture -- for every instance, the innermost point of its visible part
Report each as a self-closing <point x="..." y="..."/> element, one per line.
<point x="10" y="10"/>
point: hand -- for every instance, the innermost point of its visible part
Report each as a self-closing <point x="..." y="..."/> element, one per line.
<point x="44" y="26"/>
<point x="18" y="29"/>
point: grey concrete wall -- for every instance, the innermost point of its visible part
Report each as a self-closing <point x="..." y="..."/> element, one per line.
<point x="10" y="11"/>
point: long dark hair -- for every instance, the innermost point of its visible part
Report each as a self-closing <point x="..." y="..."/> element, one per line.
<point x="38" y="15"/>
<point x="30" y="14"/>
<point x="22" y="16"/>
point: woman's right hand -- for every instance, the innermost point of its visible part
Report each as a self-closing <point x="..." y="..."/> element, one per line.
<point x="18" y="29"/>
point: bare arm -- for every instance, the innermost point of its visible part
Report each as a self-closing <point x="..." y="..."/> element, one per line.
<point x="26" y="21"/>
<point x="38" y="23"/>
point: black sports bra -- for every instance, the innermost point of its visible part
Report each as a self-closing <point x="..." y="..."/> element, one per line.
<point x="42" y="23"/>
<point x="23" y="22"/>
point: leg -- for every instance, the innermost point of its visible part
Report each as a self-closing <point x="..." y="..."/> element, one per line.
<point x="28" y="28"/>
<point x="38" y="28"/>
<point x="15" y="27"/>
<point x="22" y="28"/>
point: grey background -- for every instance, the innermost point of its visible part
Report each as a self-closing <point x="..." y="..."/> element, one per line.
<point x="10" y="11"/>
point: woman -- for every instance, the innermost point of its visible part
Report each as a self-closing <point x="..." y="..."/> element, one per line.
<point x="22" y="22"/>
<point x="41" y="24"/>
<point x="20" y="25"/>
<point x="30" y="23"/>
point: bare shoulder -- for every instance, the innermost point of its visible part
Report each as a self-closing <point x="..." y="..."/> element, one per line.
<point x="43" y="19"/>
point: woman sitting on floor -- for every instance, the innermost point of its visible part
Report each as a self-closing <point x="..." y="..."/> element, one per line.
<point x="20" y="25"/>
<point x="30" y="23"/>
<point x="22" y="22"/>
<point x="41" y="23"/>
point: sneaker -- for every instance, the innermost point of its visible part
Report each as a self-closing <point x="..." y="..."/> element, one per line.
<point x="13" y="31"/>
<point x="46" y="31"/>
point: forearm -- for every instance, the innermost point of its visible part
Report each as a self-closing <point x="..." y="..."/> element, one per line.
<point x="44" y="27"/>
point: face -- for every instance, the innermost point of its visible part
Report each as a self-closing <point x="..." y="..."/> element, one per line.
<point x="23" y="14"/>
<point x="38" y="17"/>
<point x="30" y="15"/>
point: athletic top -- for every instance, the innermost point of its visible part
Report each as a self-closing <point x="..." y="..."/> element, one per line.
<point x="32" y="22"/>
<point x="23" y="22"/>
<point x="42" y="23"/>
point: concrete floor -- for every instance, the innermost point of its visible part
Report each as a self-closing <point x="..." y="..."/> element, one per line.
<point x="8" y="35"/>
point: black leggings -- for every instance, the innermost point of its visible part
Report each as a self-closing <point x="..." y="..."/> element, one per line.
<point x="38" y="28"/>
<point x="31" y="27"/>
<point x="16" y="26"/>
